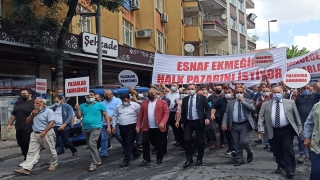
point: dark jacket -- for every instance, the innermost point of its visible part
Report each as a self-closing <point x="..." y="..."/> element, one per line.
<point x="167" y="100"/>
<point x="67" y="113"/>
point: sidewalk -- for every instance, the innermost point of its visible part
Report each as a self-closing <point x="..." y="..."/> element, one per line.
<point x="8" y="144"/>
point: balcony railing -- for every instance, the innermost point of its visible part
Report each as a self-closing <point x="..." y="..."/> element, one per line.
<point x="215" y="52"/>
<point x="250" y="4"/>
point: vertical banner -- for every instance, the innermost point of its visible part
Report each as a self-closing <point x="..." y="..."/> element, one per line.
<point x="77" y="87"/>
<point x="41" y="86"/>
<point x="238" y="68"/>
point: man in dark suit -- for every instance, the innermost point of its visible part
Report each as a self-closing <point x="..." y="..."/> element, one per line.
<point x="195" y="115"/>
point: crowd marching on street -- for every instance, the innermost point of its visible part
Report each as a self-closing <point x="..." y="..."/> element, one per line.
<point x="275" y="112"/>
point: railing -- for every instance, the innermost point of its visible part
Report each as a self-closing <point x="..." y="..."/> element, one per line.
<point x="251" y="40"/>
<point x="216" y="52"/>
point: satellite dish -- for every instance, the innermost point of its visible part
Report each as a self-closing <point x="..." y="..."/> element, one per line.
<point x="224" y="16"/>
<point x="189" y="48"/>
<point x="255" y="38"/>
<point x="252" y="16"/>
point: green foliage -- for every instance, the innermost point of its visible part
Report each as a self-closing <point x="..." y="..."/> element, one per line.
<point x="294" y="51"/>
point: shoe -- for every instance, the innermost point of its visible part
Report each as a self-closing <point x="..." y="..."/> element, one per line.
<point x="238" y="164"/>
<point x="258" y="140"/>
<point x="228" y="152"/>
<point x="177" y="145"/>
<point x="212" y="147"/>
<point x="22" y="171"/>
<point x="181" y="149"/>
<point x="124" y="165"/>
<point x="134" y="157"/>
<point x="21" y="164"/>
<point x="266" y="147"/>
<point x="144" y="162"/>
<point x="279" y="170"/>
<point x="59" y="152"/>
<point x="290" y="175"/>
<point x="140" y="148"/>
<point x="199" y="162"/>
<point x="302" y="159"/>
<point x="110" y="147"/>
<point x="187" y="163"/>
<point x="233" y="154"/>
<point x="154" y="150"/>
<point x="74" y="155"/>
<point x="249" y="157"/>
<point x="103" y="156"/>
<point x="159" y="161"/>
<point x="223" y="146"/>
<point x="52" y="168"/>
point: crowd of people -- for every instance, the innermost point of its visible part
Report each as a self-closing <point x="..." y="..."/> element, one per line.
<point x="276" y="112"/>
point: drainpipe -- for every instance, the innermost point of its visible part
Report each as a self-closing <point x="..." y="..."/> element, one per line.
<point x="165" y="27"/>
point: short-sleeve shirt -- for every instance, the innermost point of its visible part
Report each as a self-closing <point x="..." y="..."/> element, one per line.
<point x="42" y="119"/>
<point x="111" y="106"/>
<point x="92" y="115"/>
<point x="21" y="111"/>
<point x="221" y="105"/>
<point x="305" y="105"/>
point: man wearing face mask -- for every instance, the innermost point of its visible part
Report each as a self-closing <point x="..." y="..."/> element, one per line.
<point x="21" y="111"/>
<point x="42" y="120"/>
<point x="305" y="102"/>
<point x="63" y="119"/>
<point x="238" y="119"/>
<point x="125" y="115"/>
<point x="152" y="120"/>
<point x="91" y="113"/>
<point x="280" y="119"/>
<point x="195" y="116"/>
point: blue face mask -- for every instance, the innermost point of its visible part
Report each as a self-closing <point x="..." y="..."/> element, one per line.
<point x="277" y="96"/>
<point x="60" y="94"/>
<point x="306" y="93"/>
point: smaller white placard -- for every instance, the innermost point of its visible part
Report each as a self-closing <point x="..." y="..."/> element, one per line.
<point x="77" y="87"/>
<point x="41" y="86"/>
<point x="296" y="78"/>
<point x="128" y="78"/>
<point x="263" y="59"/>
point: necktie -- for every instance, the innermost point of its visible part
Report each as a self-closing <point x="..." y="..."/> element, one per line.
<point x="190" y="108"/>
<point x="239" y="112"/>
<point x="277" y="119"/>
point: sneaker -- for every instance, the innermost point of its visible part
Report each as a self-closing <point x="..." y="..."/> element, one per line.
<point x="302" y="159"/>
<point x="74" y="155"/>
<point x="22" y="171"/>
<point x="37" y="160"/>
<point x="233" y="154"/>
<point x="140" y="148"/>
<point x="266" y="147"/>
<point x="52" y="168"/>
<point x="21" y="164"/>
<point x="110" y="147"/>
<point x="228" y="152"/>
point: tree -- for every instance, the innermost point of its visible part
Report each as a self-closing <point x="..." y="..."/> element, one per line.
<point x="295" y="52"/>
<point x="38" y="20"/>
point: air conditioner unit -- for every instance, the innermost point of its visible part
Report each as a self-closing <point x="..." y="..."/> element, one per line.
<point x="135" y="5"/>
<point x="143" y="33"/>
<point x="164" y="18"/>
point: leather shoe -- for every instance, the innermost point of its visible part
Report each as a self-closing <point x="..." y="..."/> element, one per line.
<point x="181" y="149"/>
<point x="199" y="162"/>
<point x="212" y="147"/>
<point x="124" y="165"/>
<point x="279" y="170"/>
<point x="144" y="162"/>
<point x="188" y="162"/>
<point x="223" y="146"/>
<point x="250" y="158"/>
<point x="290" y="175"/>
<point x="159" y="161"/>
<point x="154" y="150"/>
<point x="238" y="164"/>
<point x="134" y="157"/>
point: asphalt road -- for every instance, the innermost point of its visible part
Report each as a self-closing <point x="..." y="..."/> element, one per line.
<point x="217" y="166"/>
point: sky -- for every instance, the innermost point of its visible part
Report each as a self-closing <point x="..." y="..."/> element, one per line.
<point x="298" y="23"/>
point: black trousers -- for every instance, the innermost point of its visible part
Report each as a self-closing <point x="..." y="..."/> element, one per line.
<point x="23" y="140"/>
<point x="159" y="140"/>
<point x="178" y="132"/>
<point x="128" y="136"/>
<point x="64" y="135"/>
<point x="282" y="144"/>
<point x="190" y="127"/>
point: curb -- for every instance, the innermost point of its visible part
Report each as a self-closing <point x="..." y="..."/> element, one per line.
<point x="9" y="146"/>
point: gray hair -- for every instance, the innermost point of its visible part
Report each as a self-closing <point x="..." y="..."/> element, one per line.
<point x="152" y="89"/>
<point x="43" y="100"/>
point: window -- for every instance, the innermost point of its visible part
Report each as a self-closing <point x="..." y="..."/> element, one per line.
<point x="241" y="28"/>
<point x="233" y="25"/>
<point x="205" y="47"/>
<point x="240" y="5"/>
<point x="233" y="2"/>
<point x="242" y="50"/>
<point x="127" y="33"/>
<point x="234" y="48"/>
<point x="159" y="42"/>
<point x="159" y="5"/>
<point x="85" y="22"/>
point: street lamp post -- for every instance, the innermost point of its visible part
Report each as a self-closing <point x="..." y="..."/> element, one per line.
<point x="97" y="14"/>
<point x="269" y="31"/>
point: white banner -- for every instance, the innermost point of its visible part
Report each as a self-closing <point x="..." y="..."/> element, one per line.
<point x="41" y="86"/>
<point x="77" y="87"/>
<point x="309" y="62"/>
<point x="238" y="68"/>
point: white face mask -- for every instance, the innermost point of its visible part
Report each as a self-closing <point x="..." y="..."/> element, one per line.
<point x="125" y="103"/>
<point x="228" y="96"/>
<point x="192" y="92"/>
<point x="173" y="88"/>
<point x="239" y="95"/>
<point x="58" y="104"/>
<point x="266" y="94"/>
<point x="90" y="99"/>
<point x="205" y="91"/>
<point x="183" y="95"/>
<point x="158" y="97"/>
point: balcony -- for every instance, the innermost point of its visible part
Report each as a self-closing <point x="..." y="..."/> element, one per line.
<point x="211" y="28"/>
<point x="215" y="52"/>
<point x="250" y="22"/>
<point x="190" y="6"/>
<point x="192" y="33"/>
<point x="249" y="4"/>
<point x="214" y="4"/>
<point x="251" y="43"/>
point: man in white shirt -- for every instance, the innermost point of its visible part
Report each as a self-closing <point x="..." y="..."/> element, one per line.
<point x="126" y="115"/>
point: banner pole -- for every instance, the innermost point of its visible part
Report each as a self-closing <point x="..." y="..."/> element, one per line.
<point x="77" y="100"/>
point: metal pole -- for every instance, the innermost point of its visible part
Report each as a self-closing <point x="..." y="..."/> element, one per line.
<point x="269" y="34"/>
<point x="99" y="34"/>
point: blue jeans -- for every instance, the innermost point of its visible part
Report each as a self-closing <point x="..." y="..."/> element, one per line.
<point x="315" y="166"/>
<point x="265" y="139"/>
<point x="59" y="145"/>
<point x="104" y="141"/>
<point x="230" y="141"/>
<point x="303" y="151"/>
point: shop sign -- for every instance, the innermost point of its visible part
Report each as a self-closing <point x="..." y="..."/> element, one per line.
<point x="41" y="86"/>
<point x="90" y="45"/>
<point x="77" y="87"/>
<point x="296" y="78"/>
<point x="128" y="78"/>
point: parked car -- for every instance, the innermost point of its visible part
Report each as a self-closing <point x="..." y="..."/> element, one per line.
<point x="76" y="134"/>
